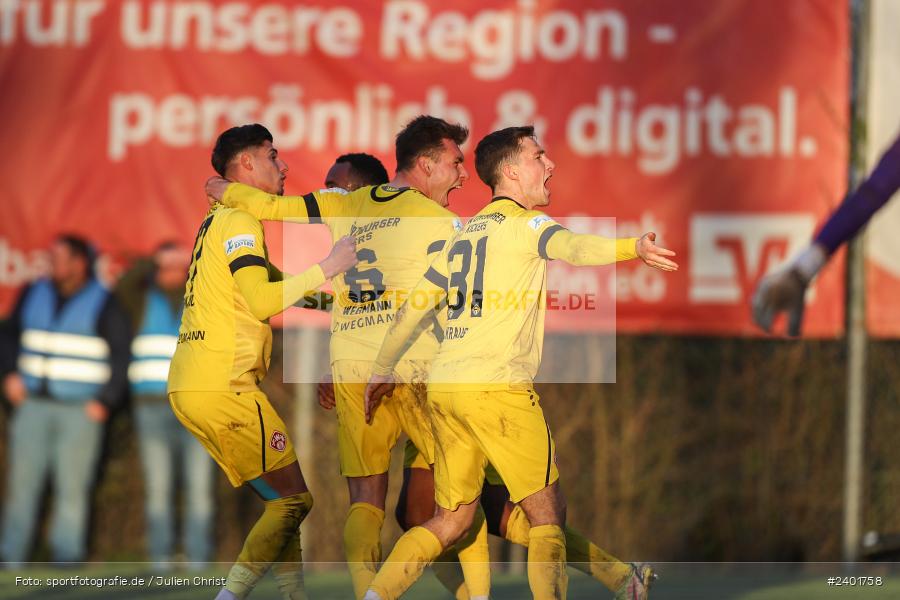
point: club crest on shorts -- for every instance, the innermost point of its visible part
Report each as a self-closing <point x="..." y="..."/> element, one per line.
<point x="278" y="441"/>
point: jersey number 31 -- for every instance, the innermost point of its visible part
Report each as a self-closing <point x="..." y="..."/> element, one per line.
<point x="458" y="288"/>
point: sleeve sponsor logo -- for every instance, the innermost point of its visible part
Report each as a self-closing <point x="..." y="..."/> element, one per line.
<point x="536" y="222"/>
<point x="246" y="240"/>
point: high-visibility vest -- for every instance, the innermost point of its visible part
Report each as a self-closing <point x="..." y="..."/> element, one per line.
<point x="154" y="345"/>
<point x="63" y="350"/>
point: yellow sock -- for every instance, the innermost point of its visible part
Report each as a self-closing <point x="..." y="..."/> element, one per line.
<point x="594" y="561"/>
<point x="476" y="559"/>
<point x="446" y="568"/>
<point x="417" y="548"/>
<point x="547" y="562"/>
<point x="517" y="527"/>
<point x="288" y="570"/>
<point x="277" y="526"/>
<point x="362" y="544"/>
<point x="580" y="552"/>
<point x="241" y="581"/>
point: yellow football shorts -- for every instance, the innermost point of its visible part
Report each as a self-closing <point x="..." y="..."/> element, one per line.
<point x="412" y="459"/>
<point x="365" y="449"/>
<point x="504" y="428"/>
<point x="241" y="431"/>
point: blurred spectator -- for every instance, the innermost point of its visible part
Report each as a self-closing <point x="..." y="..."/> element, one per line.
<point x="356" y="170"/>
<point x="152" y="293"/>
<point x="64" y="354"/>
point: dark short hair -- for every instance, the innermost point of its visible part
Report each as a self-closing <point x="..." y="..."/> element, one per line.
<point x="496" y="148"/>
<point x="80" y="247"/>
<point x="235" y="140"/>
<point x="366" y="167"/>
<point x="424" y="136"/>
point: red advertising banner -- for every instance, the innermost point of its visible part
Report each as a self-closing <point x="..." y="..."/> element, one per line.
<point x="720" y="125"/>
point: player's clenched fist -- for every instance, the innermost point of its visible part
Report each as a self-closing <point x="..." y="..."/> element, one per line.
<point x="342" y="257"/>
<point x="378" y="387"/>
<point x="325" y="391"/>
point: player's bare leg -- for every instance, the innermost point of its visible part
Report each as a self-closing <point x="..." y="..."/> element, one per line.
<point x="371" y="489"/>
<point x="285" y="481"/>
<point x="275" y="538"/>
<point x="415" y="505"/>
<point x="508" y="521"/>
<point x="546" y="511"/>
<point x="497" y="509"/>
<point x="362" y="529"/>
<point x="464" y="569"/>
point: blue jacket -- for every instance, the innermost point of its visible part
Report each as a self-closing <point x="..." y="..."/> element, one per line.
<point x="154" y="345"/>
<point x="61" y="351"/>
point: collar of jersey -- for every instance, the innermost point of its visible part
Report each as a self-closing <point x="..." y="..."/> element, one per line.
<point x="377" y="198"/>
<point x="498" y="198"/>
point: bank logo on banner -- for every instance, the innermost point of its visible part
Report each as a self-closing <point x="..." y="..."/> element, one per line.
<point x="730" y="253"/>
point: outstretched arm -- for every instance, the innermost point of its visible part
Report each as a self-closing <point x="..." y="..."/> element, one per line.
<point x="859" y="206"/>
<point x="425" y="298"/>
<point x="422" y="302"/>
<point x="309" y="208"/>
<point x="584" y="249"/>
<point x="268" y="298"/>
<point x="313" y="299"/>
<point x="785" y="290"/>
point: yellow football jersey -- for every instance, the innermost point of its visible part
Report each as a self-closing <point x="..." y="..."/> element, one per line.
<point x="398" y="233"/>
<point x="496" y="277"/>
<point x="222" y="346"/>
<point x="494" y="274"/>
